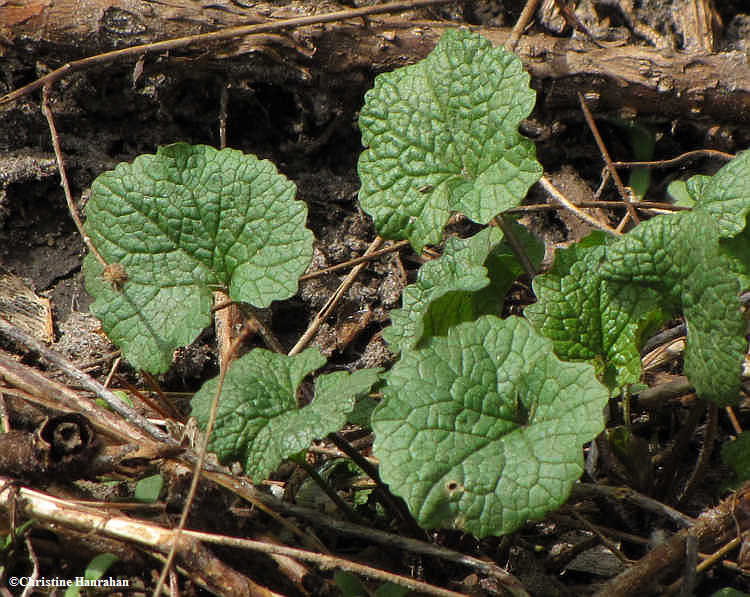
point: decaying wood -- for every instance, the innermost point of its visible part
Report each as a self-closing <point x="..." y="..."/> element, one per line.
<point x="714" y="527"/>
<point x="633" y="81"/>
<point x="198" y="562"/>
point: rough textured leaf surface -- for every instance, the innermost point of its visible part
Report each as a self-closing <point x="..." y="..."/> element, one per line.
<point x="259" y="422"/>
<point x="595" y="302"/>
<point x="726" y="195"/>
<point x="590" y="318"/>
<point x="438" y="299"/>
<point x="737" y="252"/>
<point x="483" y="429"/>
<point x="470" y="279"/>
<point x="183" y="222"/>
<point x="680" y="257"/>
<point x="442" y="136"/>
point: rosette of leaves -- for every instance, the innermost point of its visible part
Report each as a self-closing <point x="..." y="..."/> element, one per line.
<point x="182" y="223"/>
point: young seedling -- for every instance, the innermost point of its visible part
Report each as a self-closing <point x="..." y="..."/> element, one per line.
<point x="482" y="420"/>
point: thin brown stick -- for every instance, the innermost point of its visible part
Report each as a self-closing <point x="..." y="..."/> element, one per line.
<point x="718" y="554"/>
<point x="523" y="20"/>
<point x="608" y="160"/>
<point x="153" y="404"/>
<point x="113" y="400"/>
<point x="707" y="562"/>
<point x="337" y="525"/>
<point x="332" y="494"/>
<point x="333" y="301"/>
<point x="4" y="418"/>
<point x="634" y="497"/>
<point x="733" y="420"/>
<point x="608" y="543"/>
<point x="134" y="428"/>
<point x="712" y="529"/>
<point x="261" y="328"/>
<point x="644" y="205"/>
<point x="222" y="305"/>
<point x="357" y="260"/>
<point x="573" y="20"/>
<point x="64" y="179"/>
<point x="383" y="494"/>
<point x="325" y="561"/>
<point x="222" y="34"/>
<point x="602" y="184"/>
<point x="99" y="361"/>
<point x="223" y="102"/>
<point x="67" y="514"/>
<point x="556" y="194"/>
<point x="31" y="585"/>
<point x="199" y="464"/>
<point x="207" y="570"/>
<point x="688" y="155"/>
<point x="629" y="537"/>
<point x="691" y="559"/>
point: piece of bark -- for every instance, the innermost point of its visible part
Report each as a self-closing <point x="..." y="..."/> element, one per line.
<point x="633" y="80"/>
<point x="61" y="447"/>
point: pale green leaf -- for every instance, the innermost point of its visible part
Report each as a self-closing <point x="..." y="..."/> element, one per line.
<point x="483" y="429"/>
<point x="679" y="257"/>
<point x="182" y="223"/>
<point x="148" y="489"/>
<point x="442" y="136"/>
<point x="259" y="422"/>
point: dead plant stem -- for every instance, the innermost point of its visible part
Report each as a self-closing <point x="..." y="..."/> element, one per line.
<point x="63" y="177"/>
<point x="634" y="497"/>
<point x="523" y="20"/>
<point x="199" y="464"/>
<point x="68" y="514"/>
<point x="89" y="383"/>
<point x="676" y="161"/>
<point x="345" y="508"/>
<point x="610" y="165"/>
<point x="372" y="256"/>
<point x="706" y="563"/>
<point x="707" y="448"/>
<point x="558" y="196"/>
<point x="325" y="311"/>
<point x="383" y="494"/>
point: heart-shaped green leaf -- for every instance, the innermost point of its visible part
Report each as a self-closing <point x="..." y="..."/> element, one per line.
<point x="483" y="429"/>
<point x="182" y="223"/>
<point x="442" y="136"/>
